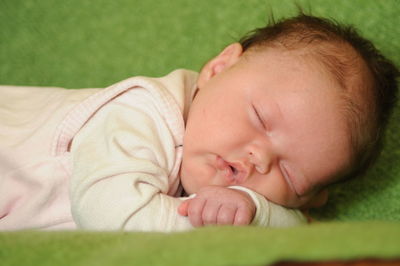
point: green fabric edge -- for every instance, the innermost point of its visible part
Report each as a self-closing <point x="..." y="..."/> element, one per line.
<point x="204" y="246"/>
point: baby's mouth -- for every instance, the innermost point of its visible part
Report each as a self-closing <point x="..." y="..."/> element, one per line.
<point x="229" y="171"/>
<point x="234" y="170"/>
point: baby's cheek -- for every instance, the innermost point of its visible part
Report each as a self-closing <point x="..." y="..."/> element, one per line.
<point x="191" y="179"/>
<point x="185" y="180"/>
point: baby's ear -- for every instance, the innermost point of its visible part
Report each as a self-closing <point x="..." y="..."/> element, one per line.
<point x="228" y="57"/>
<point x="318" y="200"/>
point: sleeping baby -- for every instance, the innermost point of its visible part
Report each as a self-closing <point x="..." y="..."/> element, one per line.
<point x="255" y="137"/>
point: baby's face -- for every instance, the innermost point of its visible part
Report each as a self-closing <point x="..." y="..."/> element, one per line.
<point x="269" y="122"/>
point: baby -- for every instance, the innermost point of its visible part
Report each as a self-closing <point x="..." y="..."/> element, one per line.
<point x="261" y="131"/>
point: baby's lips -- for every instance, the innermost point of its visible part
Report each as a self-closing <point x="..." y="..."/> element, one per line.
<point x="221" y="164"/>
<point x="241" y="171"/>
<point x="224" y="167"/>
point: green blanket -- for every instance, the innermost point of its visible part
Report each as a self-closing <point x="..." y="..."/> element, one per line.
<point x="205" y="246"/>
<point x="82" y="43"/>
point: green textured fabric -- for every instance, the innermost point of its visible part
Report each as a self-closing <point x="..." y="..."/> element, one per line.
<point x="206" y="246"/>
<point x="82" y="43"/>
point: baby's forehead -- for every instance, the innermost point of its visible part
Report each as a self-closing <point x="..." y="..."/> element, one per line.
<point x="332" y="64"/>
<point x="337" y="58"/>
<point x="342" y="65"/>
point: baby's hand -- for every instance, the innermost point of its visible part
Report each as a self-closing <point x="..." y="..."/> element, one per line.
<point x="218" y="206"/>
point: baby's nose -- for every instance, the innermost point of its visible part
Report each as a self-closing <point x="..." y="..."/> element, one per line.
<point x="262" y="161"/>
<point x="262" y="169"/>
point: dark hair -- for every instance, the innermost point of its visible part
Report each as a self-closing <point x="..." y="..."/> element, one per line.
<point x="344" y="53"/>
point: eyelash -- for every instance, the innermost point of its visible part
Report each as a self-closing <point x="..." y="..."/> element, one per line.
<point x="259" y="117"/>
<point x="288" y="179"/>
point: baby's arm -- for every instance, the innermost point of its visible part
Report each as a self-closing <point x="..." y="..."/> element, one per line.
<point x="273" y="215"/>
<point x="122" y="160"/>
<point x="237" y="206"/>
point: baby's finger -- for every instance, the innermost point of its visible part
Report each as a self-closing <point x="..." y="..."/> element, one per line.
<point x="243" y="216"/>
<point x="210" y="213"/>
<point x="195" y="210"/>
<point x="183" y="208"/>
<point x="226" y="215"/>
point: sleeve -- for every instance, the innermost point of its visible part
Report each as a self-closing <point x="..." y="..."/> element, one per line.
<point x="121" y="162"/>
<point x="269" y="214"/>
